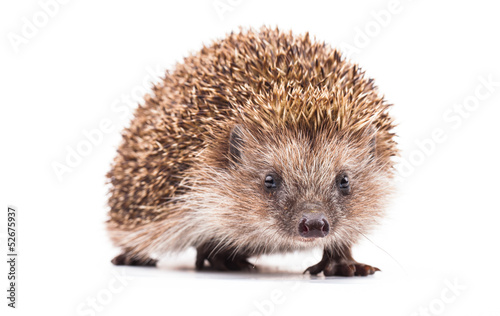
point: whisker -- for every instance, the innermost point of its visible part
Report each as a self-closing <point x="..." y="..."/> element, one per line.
<point x="394" y="259"/>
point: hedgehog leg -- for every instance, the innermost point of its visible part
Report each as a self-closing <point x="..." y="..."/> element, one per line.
<point x="127" y="258"/>
<point x="339" y="262"/>
<point x="223" y="260"/>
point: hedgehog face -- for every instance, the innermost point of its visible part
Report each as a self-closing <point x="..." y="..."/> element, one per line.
<point x="307" y="186"/>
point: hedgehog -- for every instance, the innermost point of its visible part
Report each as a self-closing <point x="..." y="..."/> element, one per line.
<point x="262" y="142"/>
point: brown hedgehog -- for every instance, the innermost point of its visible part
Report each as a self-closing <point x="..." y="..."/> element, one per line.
<point x="263" y="142"/>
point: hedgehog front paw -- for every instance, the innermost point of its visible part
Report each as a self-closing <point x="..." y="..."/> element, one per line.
<point x="222" y="261"/>
<point x="343" y="268"/>
<point x="127" y="259"/>
<point x="351" y="268"/>
<point x="227" y="264"/>
<point x="339" y="262"/>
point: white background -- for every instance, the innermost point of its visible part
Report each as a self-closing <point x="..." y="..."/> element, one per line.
<point x="77" y="67"/>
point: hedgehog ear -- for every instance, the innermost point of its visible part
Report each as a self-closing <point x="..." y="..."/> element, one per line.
<point x="236" y="143"/>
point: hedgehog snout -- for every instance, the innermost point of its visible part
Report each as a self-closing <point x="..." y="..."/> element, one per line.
<point x="313" y="225"/>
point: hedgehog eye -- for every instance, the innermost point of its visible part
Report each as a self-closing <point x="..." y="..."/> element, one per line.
<point x="344" y="185"/>
<point x="271" y="181"/>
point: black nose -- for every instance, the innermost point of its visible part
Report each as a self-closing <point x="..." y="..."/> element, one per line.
<point x="314" y="225"/>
